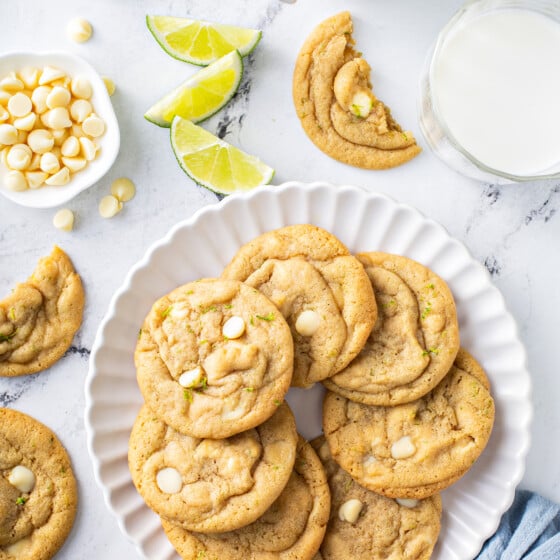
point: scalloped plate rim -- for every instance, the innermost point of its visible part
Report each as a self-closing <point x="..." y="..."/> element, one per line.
<point x="144" y="262"/>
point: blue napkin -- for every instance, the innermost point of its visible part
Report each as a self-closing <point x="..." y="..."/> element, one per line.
<point x="529" y="530"/>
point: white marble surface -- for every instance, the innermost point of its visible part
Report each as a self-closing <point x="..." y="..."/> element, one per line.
<point x="513" y="229"/>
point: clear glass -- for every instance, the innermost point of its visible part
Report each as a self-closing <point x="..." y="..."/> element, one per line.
<point x="437" y="134"/>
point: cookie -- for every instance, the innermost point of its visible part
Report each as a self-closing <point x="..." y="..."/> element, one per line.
<point x="321" y="290"/>
<point x="414" y="341"/>
<point x="415" y="449"/>
<point x="38" y="496"/>
<point x="211" y="485"/>
<point x="39" y="318"/>
<point x="291" y="529"/>
<point x="364" y="525"/>
<point x="335" y="103"/>
<point x="214" y="358"/>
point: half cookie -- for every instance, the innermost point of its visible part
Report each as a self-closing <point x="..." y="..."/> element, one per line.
<point x="39" y="318"/>
<point x="336" y="105"/>
<point x="321" y="290"/>
<point x="366" y="526"/>
<point x="291" y="529"/>
<point x="38" y="495"/>
<point x="211" y="485"/>
<point x="414" y="341"/>
<point x="214" y="358"/>
<point x="416" y="449"/>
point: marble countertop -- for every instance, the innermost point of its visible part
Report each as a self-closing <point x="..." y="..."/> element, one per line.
<point x="511" y="229"/>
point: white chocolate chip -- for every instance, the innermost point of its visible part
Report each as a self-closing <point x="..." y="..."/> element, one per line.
<point x="50" y="74"/>
<point x="35" y="162"/>
<point x="307" y="322"/>
<point x="93" y="126"/>
<point x="109" y="206"/>
<point x="19" y="547"/>
<point x="19" y="105"/>
<point x="11" y="83"/>
<point x="407" y="502"/>
<point x="191" y="378"/>
<point x="19" y="157"/>
<point x="74" y="163"/>
<point x="123" y="189"/>
<point x="8" y="134"/>
<point x="39" y="98"/>
<point x="26" y="123"/>
<point x="361" y="105"/>
<point x="70" y="147"/>
<point x="169" y="480"/>
<point x="109" y="84"/>
<point x="40" y="141"/>
<point x="49" y="163"/>
<point x="15" y="181"/>
<point x="29" y="76"/>
<point x="350" y="510"/>
<point x="58" y="97"/>
<point x="35" y="179"/>
<point x="81" y="87"/>
<point x="234" y="327"/>
<point x="60" y="178"/>
<point x="403" y="448"/>
<point x="80" y="110"/>
<point x="60" y="135"/>
<point x="22" y="478"/>
<point x="79" y="30"/>
<point x="89" y="149"/>
<point x="4" y="115"/>
<point x="324" y="451"/>
<point x="369" y="461"/>
<point x="56" y="118"/>
<point x="64" y="219"/>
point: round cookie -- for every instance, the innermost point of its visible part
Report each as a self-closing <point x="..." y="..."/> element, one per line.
<point x="291" y="529"/>
<point x="336" y="105"/>
<point x="321" y="290"/>
<point x="38" y="495"/>
<point x="214" y="358"/>
<point x="415" y="449"/>
<point x="414" y="341"/>
<point x="367" y="526"/>
<point x="211" y="485"/>
<point x="39" y="318"/>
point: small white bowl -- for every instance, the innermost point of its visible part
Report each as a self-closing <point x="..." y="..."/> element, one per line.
<point x="46" y="196"/>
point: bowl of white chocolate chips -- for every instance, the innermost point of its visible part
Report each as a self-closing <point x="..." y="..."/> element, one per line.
<point x="58" y="131"/>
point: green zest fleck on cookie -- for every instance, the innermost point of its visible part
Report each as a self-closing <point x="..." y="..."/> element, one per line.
<point x="166" y="312"/>
<point x="21" y="501"/>
<point x="267" y="317"/>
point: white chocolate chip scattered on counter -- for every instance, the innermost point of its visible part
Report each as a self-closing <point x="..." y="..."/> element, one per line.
<point x="191" y="378"/>
<point x="123" y="189"/>
<point x="350" y="510"/>
<point x="169" y="480"/>
<point x="403" y="448"/>
<point x="407" y="502"/>
<point x="64" y="219"/>
<point x="22" y="478"/>
<point x="79" y="30"/>
<point x="234" y="327"/>
<point x="109" y="84"/>
<point x="307" y="322"/>
<point x="109" y="206"/>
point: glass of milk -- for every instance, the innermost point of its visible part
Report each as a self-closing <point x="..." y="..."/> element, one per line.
<point x="490" y="91"/>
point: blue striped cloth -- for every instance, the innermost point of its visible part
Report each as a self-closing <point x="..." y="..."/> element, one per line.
<point x="529" y="530"/>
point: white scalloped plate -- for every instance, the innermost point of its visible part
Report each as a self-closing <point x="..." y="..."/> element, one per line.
<point x="202" y="245"/>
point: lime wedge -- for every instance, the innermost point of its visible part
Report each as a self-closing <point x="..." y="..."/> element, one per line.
<point x="213" y="163"/>
<point x="201" y="95"/>
<point x="200" y="42"/>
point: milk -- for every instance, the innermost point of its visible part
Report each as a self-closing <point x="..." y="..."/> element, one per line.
<point x="496" y="86"/>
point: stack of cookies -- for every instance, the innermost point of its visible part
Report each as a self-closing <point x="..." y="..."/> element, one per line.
<point x="215" y="452"/>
